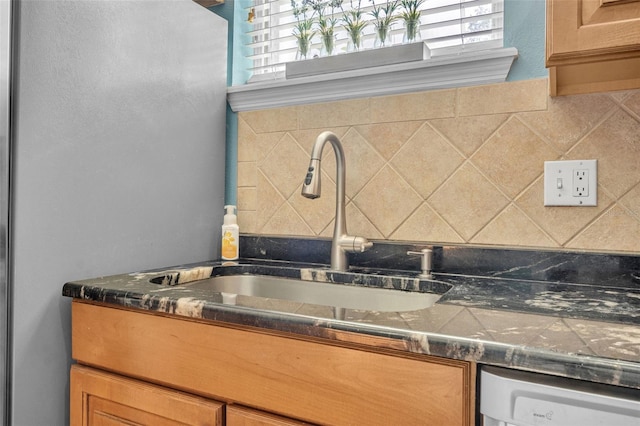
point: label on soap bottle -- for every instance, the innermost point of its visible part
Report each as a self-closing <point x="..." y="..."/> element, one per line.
<point x="229" y="246"/>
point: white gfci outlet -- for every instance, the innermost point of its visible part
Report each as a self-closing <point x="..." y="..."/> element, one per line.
<point x="571" y="183"/>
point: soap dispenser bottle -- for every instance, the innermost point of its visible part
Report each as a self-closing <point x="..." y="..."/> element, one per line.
<point x="230" y="235"/>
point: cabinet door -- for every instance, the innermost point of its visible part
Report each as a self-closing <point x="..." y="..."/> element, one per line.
<point x="103" y="399"/>
<point x="593" y="45"/>
<point x="238" y="415"/>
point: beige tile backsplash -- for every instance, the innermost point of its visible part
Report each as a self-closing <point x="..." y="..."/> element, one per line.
<point x="460" y="166"/>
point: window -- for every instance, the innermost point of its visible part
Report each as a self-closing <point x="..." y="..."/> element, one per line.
<point x="464" y="38"/>
<point x="447" y="26"/>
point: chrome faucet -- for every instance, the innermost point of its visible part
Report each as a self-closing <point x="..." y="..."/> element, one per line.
<point x="342" y="243"/>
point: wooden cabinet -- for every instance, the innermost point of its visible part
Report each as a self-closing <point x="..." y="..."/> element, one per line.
<point x="209" y="3"/>
<point x="593" y="45"/>
<point x="242" y="416"/>
<point x="103" y="399"/>
<point x="305" y="379"/>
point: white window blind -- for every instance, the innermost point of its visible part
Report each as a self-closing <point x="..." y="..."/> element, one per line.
<point x="447" y="26"/>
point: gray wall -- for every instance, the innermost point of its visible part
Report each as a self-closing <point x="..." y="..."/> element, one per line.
<point x="118" y="164"/>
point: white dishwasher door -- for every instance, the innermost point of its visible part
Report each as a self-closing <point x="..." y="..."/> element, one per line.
<point x="516" y="398"/>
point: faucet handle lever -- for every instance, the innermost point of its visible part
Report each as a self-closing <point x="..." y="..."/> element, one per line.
<point x="361" y="244"/>
<point x="352" y="244"/>
<point x="425" y="263"/>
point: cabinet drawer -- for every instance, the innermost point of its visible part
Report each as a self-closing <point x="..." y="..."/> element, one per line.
<point x="99" y="398"/>
<point x="243" y="416"/>
<point x="303" y="379"/>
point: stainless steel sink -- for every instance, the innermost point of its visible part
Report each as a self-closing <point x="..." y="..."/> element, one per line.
<point x="318" y="293"/>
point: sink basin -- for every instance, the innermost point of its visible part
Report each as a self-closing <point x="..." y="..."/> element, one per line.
<point x="338" y="295"/>
<point x="341" y="296"/>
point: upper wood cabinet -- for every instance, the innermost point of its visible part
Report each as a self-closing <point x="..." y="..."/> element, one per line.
<point x="209" y="3"/>
<point x="593" y="45"/>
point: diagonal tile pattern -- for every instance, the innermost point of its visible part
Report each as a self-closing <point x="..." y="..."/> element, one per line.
<point x="616" y="145"/>
<point x="426" y="225"/>
<point x="319" y="212"/>
<point x="460" y="166"/>
<point x="500" y="325"/>
<point x="510" y="227"/>
<point x="468" y="201"/>
<point x="620" y="340"/>
<point x="515" y="142"/>
<point x="557" y="334"/>
<point x="633" y="103"/>
<point x="285" y="166"/>
<point x="469" y="133"/>
<point x="362" y="161"/>
<point x="387" y="138"/>
<point x="268" y="201"/>
<point x="414" y="161"/>
<point x="568" y="118"/>
<point x="560" y="223"/>
<point x="385" y="200"/>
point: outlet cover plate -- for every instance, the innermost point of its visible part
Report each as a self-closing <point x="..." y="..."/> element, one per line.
<point x="571" y="183"/>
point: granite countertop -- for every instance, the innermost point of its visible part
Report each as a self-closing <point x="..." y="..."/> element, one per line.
<point x="575" y="330"/>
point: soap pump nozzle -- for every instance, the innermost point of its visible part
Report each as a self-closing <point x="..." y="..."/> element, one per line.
<point x="229" y="215"/>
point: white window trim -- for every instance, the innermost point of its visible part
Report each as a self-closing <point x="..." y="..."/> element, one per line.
<point x="442" y="72"/>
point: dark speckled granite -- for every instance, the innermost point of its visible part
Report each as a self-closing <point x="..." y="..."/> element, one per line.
<point x="565" y="314"/>
<point x="584" y="268"/>
<point x="564" y="300"/>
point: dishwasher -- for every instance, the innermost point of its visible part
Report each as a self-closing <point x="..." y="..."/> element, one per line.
<point x="518" y="398"/>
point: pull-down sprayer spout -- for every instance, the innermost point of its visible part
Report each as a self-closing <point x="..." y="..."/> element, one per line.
<point x="342" y="243"/>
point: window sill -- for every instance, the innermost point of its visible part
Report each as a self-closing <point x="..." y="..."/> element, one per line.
<point x="473" y="68"/>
